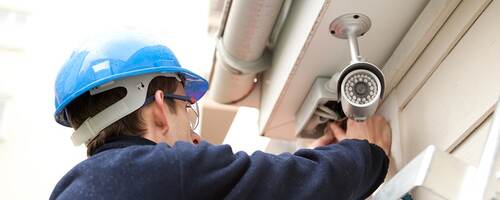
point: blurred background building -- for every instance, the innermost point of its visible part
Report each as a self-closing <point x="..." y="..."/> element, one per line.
<point x="35" y="39"/>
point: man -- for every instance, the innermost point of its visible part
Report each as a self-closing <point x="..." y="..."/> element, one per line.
<point x="132" y="104"/>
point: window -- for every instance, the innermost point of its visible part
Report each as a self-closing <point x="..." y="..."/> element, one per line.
<point x="12" y="24"/>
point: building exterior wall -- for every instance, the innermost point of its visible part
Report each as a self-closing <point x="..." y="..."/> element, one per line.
<point x="447" y="97"/>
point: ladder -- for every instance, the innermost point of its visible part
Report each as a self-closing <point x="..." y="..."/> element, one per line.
<point x="448" y="177"/>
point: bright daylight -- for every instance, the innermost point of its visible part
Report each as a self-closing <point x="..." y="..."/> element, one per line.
<point x="250" y="99"/>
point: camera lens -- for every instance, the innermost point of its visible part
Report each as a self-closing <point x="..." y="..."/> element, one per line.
<point x="361" y="87"/>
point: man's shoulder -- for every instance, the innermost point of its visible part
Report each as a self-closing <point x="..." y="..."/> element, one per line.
<point x="115" y="169"/>
<point x="130" y="156"/>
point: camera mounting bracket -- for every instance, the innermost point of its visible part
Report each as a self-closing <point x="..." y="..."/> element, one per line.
<point x="351" y="26"/>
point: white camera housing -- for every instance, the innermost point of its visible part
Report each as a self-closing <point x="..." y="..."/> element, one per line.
<point x="360" y="87"/>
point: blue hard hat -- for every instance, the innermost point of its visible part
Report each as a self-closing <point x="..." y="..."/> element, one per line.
<point x="122" y="56"/>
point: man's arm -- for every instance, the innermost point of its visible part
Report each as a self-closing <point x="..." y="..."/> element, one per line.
<point x="350" y="169"/>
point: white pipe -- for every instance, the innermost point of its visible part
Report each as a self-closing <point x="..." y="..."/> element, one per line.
<point x="248" y="27"/>
<point x="241" y="48"/>
<point x="229" y="86"/>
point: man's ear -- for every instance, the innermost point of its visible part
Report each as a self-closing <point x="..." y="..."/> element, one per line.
<point x="160" y="112"/>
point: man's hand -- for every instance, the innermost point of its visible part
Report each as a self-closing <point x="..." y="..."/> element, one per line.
<point x="375" y="129"/>
<point x="327" y="138"/>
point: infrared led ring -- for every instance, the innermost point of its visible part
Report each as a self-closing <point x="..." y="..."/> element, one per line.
<point x="361" y="87"/>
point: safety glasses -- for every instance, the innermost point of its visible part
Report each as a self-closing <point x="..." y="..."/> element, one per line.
<point x="191" y="107"/>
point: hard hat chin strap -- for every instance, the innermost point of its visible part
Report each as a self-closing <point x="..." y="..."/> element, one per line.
<point x="136" y="94"/>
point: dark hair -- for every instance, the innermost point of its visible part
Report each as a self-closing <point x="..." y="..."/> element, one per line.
<point x="87" y="105"/>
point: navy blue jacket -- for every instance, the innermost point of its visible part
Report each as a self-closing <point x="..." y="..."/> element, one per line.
<point x="136" y="168"/>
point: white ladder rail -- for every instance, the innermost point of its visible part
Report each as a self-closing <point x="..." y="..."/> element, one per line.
<point x="449" y="177"/>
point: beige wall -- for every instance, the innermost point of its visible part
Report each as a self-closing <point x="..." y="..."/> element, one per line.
<point x="447" y="97"/>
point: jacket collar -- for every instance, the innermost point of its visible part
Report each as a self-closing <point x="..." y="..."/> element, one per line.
<point x="122" y="142"/>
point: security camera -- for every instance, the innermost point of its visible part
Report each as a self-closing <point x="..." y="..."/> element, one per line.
<point x="354" y="92"/>
<point x="360" y="85"/>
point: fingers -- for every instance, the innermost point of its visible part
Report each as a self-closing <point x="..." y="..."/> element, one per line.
<point x="326" y="139"/>
<point x="338" y="132"/>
